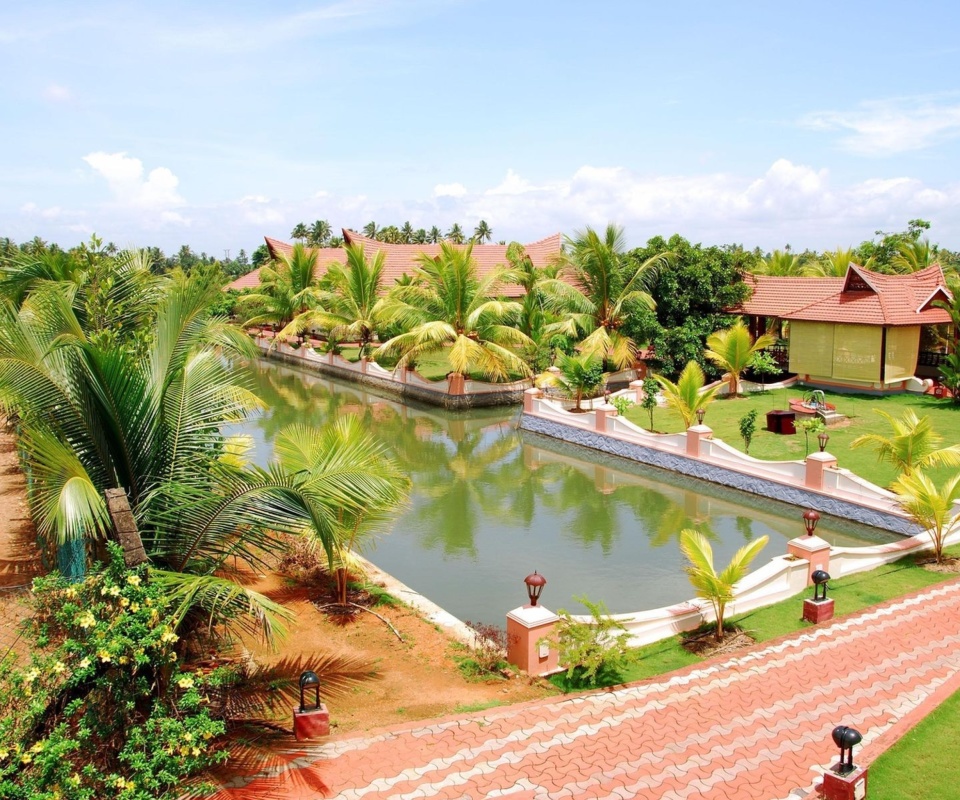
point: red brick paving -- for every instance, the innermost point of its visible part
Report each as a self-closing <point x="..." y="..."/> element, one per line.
<point x="755" y="726"/>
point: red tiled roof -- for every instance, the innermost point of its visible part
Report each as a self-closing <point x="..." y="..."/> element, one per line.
<point x="863" y="297"/>
<point x="401" y="259"/>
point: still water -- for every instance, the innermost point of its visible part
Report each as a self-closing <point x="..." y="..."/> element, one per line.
<point x="491" y="504"/>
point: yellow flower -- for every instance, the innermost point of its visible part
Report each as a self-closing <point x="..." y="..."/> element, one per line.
<point x="195" y="751"/>
<point x="134" y="607"/>
<point x="86" y="620"/>
<point x="74" y="780"/>
<point x="207" y="735"/>
<point x="59" y="668"/>
<point x="169" y="636"/>
<point x="133" y="580"/>
<point x="85" y="663"/>
<point x="26" y="758"/>
<point x="124" y="660"/>
<point x="104" y="656"/>
<point x="32" y="675"/>
<point x="186" y="682"/>
<point x="148" y="601"/>
<point x="37" y="747"/>
<point x="4" y="754"/>
<point x="124" y="602"/>
<point x="114" y="591"/>
<point x="70" y="592"/>
<point x="188" y="737"/>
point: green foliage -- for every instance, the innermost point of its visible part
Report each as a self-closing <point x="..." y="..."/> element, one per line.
<point x="748" y="427"/>
<point x="813" y="426"/>
<point x="687" y="395"/>
<point x="913" y="443"/>
<point x="950" y="375"/>
<point x="488" y="656"/>
<point x="103" y="709"/>
<point x="578" y="377"/>
<point x="764" y="365"/>
<point x="733" y="349"/>
<point x="622" y="404"/>
<point x="651" y="388"/>
<point x="716" y="587"/>
<point x="930" y="505"/>
<point x="595" y="652"/>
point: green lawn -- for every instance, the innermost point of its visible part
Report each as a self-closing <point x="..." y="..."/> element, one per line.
<point x="923" y="764"/>
<point x="723" y="416"/>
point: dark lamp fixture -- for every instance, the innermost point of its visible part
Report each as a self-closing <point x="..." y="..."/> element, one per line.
<point x="810" y="520"/>
<point x="823" y="438"/>
<point x="700" y="414"/>
<point x="819" y="578"/>
<point x="845" y="738"/>
<point x="308" y="679"/>
<point x="535" y="584"/>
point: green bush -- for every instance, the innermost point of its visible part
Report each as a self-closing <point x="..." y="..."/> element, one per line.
<point x="102" y="709"/>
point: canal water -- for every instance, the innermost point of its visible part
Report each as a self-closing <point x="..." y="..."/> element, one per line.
<point x="491" y="504"/>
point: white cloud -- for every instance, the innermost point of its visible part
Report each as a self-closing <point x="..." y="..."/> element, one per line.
<point x="157" y="192"/>
<point x="888" y="127"/>
<point x="449" y="190"/>
<point x="57" y="94"/>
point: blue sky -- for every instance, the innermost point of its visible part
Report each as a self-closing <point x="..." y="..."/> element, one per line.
<point x="216" y="123"/>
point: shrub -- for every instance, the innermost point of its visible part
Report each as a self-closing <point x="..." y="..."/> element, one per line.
<point x="489" y="651"/>
<point x="621" y="404"/>
<point x="594" y="652"/>
<point x="102" y="708"/>
<point x="748" y="427"/>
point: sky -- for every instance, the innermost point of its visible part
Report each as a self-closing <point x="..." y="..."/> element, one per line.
<point x="215" y="124"/>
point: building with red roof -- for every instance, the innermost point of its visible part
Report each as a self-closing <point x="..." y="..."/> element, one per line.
<point x="401" y="259"/>
<point x="860" y="332"/>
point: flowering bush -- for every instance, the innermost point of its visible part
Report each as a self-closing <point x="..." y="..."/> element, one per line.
<point x="103" y="709"/>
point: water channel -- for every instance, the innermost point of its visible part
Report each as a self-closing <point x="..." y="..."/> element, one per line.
<point x="490" y="504"/>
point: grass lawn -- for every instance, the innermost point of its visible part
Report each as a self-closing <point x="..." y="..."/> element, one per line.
<point x="723" y="416"/>
<point x="923" y="764"/>
<point x="853" y="593"/>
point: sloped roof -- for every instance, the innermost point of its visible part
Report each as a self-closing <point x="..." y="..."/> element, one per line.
<point x="401" y="259"/>
<point x="862" y="297"/>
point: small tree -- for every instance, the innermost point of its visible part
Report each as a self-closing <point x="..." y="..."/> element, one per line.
<point x="950" y="375"/>
<point x="764" y="364"/>
<point x="651" y="388"/>
<point x="622" y="404"/>
<point x="913" y="444"/>
<point x="734" y="350"/>
<point x="814" y="425"/>
<point x="708" y="583"/>
<point x="929" y="505"/>
<point x="593" y="652"/>
<point x="687" y="394"/>
<point x="579" y="377"/>
<point x="748" y="427"/>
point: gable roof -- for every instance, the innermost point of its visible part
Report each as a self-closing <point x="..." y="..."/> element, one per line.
<point x="401" y="259"/>
<point x="862" y="297"/>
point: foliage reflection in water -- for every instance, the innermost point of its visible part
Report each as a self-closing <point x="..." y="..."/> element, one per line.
<point x="490" y="504"/>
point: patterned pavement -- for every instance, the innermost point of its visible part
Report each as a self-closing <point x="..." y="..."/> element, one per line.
<point x="755" y="726"/>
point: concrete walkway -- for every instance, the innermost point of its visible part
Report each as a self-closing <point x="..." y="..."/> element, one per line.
<point x="751" y="727"/>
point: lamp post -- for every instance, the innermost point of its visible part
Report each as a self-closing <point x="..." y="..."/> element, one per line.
<point x="535" y="584"/>
<point x="309" y="679"/>
<point x="700" y="414"/>
<point x="310" y="722"/>
<point x="819" y="578"/>
<point x="845" y="738"/>
<point x="810" y="520"/>
<point x="823" y="438"/>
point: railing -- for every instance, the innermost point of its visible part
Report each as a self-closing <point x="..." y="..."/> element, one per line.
<point x="930" y="358"/>
<point x="780" y="354"/>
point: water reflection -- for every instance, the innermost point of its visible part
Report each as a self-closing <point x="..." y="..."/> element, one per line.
<point x="489" y="504"/>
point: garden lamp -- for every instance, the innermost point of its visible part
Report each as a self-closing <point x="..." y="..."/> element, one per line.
<point x="845" y="738"/>
<point x="308" y="679"/>
<point x="819" y="578"/>
<point x="535" y="584"/>
<point x="810" y="520"/>
<point x="700" y="414"/>
<point x="823" y="438"/>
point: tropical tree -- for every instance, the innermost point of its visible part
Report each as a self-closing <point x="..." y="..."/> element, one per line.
<point x="288" y="288"/>
<point x="782" y="263"/>
<point x="449" y="308"/>
<point x="576" y="377"/>
<point x="483" y="232"/>
<point x="455" y="234"/>
<point x="913" y="445"/>
<point x="913" y="256"/>
<point x="687" y="395"/>
<point x="522" y="272"/>
<point x="406" y="232"/>
<point x="300" y="232"/>
<point x="319" y="233"/>
<point x="606" y="287"/>
<point x="420" y="236"/>
<point x="370" y="230"/>
<point x="434" y="235"/>
<point x="931" y="506"/>
<point x="710" y="585"/>
<point x="835" y="263"/>
<point x="734" y="350"/>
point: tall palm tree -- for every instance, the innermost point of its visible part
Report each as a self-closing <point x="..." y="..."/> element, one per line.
<point x="687" y="395"/>
<point x="455" y="234"/>
<point x="606" y="286"/>
<point x="734" y="349"/>
<point x="913" y="445"/>
<point x="449" y="308"/>
<point x="930" y="505"/>
<point x="522" y="272"/>
<point x="370" y="230"/>
<point x="319" y="233"/>
<point x="782" y="263"/>
<point x="835" y="263"/>
<point x="406" y="233"/>
<point x="708" y="583"/>
<point x="434" y="235"/>
<point x="420" y="236"/>
<point x="300" y="232"/>
<point x="288" y="288"/>
<point x="483" y="232"/>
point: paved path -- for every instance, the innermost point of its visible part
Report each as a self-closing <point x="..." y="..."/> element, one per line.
<point x="753" y="727"/>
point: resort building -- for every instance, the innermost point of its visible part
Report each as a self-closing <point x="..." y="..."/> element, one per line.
<point x="401" y="259"/>
<point x="865" y="332"/>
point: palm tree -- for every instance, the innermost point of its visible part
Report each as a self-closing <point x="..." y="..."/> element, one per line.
<point x="319" y="453"/>
<point x="709" y="585"/>
<point x="449" y="308"/>
<point x="406" y="233"/>
<point x="455" y="234"/>
<point x="913" y="444"/>
<point x="913" y="256"/>
<point x="835" y="263"/>
<point x="929" y="505"/>
<point x="782" y="263"/>
<point x="434" y="236"/>
<point x="370" y="230"/>
<point x="350" y="306"/>
<point x="606" y="286"/>
<point x="578" y="377"/>
<point x="522" y="272"/>
<point x="687" y="394"/>
<point x="287" y="289"/>
<point x="300" y="232"/>
<point x="483" y="232"/>
<point x="319" y="233"/>
<point x="420" y="236"/>
<point x="733" y="350"/>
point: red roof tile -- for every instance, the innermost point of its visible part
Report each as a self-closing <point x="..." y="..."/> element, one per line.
<point x="401" y="259"/>
<point x="863" y="297"/>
